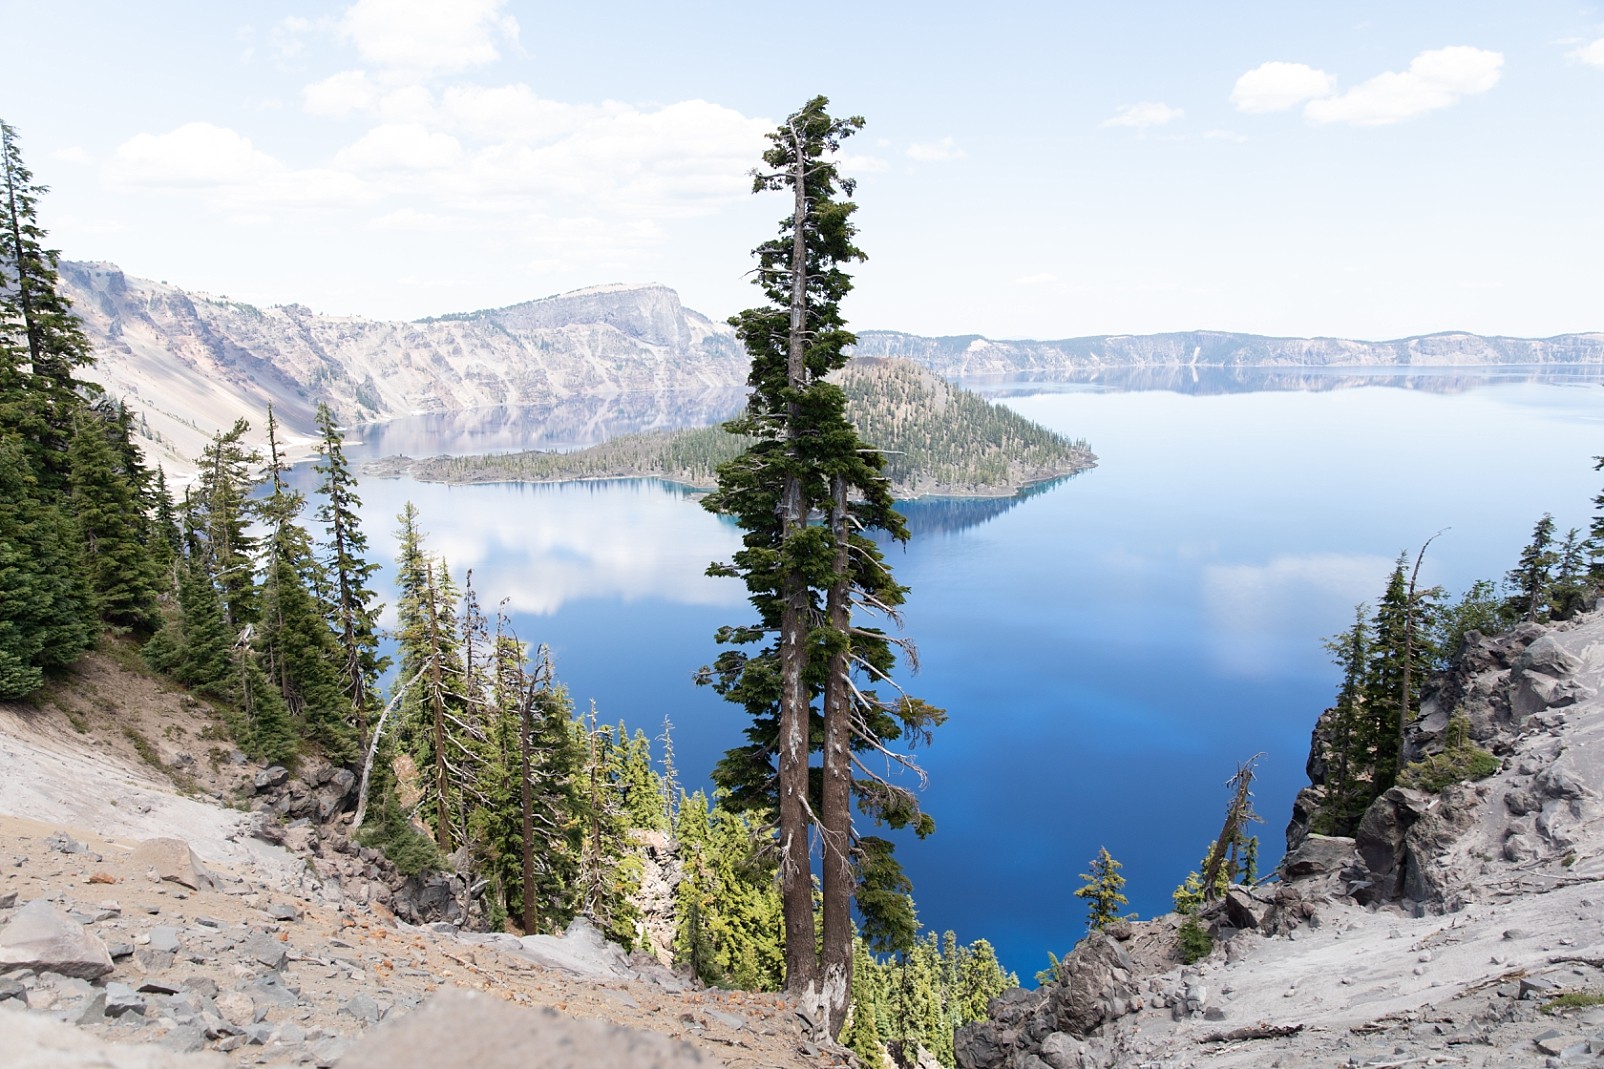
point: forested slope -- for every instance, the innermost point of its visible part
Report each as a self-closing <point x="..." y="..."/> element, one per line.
<point x="938" y="440"/>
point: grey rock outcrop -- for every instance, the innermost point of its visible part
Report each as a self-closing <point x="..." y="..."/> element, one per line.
<point x="40" y="938"/>
<point x="1097" y="985"/>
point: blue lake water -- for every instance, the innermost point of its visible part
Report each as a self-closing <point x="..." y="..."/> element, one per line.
<point x="1109" y="649"/>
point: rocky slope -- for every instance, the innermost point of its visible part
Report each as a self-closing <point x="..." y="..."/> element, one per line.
<point x="1438" y="935"/>
<point x="165" y="903"/>
<point x="192" y="363"/>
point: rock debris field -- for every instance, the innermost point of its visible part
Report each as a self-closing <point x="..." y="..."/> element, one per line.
<point x="143" y="928"/>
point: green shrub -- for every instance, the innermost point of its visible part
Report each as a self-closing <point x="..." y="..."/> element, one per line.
<point x="1196" y="942"/>
<point x="1460" y="760"/>
<point x="409" y="850"/>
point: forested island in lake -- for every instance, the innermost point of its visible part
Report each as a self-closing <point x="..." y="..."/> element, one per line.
<point x="939" y="441"/>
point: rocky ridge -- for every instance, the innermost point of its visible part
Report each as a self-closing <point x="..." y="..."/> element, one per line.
<point x="191" y="363"/>
<point x="165" y="903"/>
<point x="971" y="355"/>
<point x="1437" y="935"/>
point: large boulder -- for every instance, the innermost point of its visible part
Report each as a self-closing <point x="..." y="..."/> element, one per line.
<point x="582" y="950"/>
<point x="1318" y="855"/>
<point x="474" y="1028"/>
<point x="173" y="860"/>
<point x="40" y="938"/>
<point x="1097" y="986"/>
<point x="1381" y="840"/>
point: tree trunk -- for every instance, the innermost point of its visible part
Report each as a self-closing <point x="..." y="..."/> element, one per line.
<point x="1408" y="659"/>
<point x="835" y="810"/>
<point x="437" y="703"/>
<point x="796" y="865"/>
<point x="526" y="803"/>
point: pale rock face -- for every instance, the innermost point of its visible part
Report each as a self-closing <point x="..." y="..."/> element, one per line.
<point x="191" y="364"/>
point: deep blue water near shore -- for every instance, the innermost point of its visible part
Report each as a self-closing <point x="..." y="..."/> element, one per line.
<point x="1107" y="649"/>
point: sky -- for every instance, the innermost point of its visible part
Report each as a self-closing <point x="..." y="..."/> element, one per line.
<point x="1027" y="170"/>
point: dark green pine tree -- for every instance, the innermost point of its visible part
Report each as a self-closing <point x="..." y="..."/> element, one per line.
<point x="47" y="611"/>
<point x="609" y="864"/>
<point x="297" y="650"/>
<point x="1398" y="667"/>
<point x="41" y="344"/>
<point x="222" y="513"/>
<point x="352" y="608"/>
<point x="204" y="658"/>
<point x="1569" y="593"/>
<point x="167" y="539"/>
<point x="121" y="566"/>
<point x="1595" y="535"/>
<point x="1531" y="581"/>
<point x="1349" y="753"/>
<point x="433" y="708"/>
<point x="807" y="492"/>
<point x="639" y="784"/>
<point x="1103" y="891"/>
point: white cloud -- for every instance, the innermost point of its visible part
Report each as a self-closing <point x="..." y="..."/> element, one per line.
<point x="1147" y="113"/>
<point x="510" y="113"/>
<point x="233" y="174"/>
<point x="289" y="36"/>
<point x="1225" y="135"/>
<point x="1251" y="607"/>
<point x="429" y="35"/>
<point x="1041" y="278"/>
<point x="935" y="151"/>
<point x="400" y="146"/>
<point x="195" y="154"/>
<point x="1279" y="86"/>
<point x="678" y="160"/>
<point x="410" y="220"/>
<point x="1435" y="80"/>
<point x="852" y="164"/>
<point x="339" y="95"/>
<point x="1591" y="54"/>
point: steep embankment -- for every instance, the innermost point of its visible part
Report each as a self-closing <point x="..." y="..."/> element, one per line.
<point x="164" y="903"/>
<point x="1437" y="935"/>
<point x="938" y="440"/>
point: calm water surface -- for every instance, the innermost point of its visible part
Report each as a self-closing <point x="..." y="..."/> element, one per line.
<point x="1107" y="649"/>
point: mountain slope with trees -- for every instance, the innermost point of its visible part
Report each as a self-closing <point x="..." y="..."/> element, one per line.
<point x="938" y="440"/>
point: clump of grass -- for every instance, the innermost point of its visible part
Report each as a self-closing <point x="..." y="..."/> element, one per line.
<point x="185" y="783"/>
<point x="1573" y="1000"/>
<point x="1460" y="760"/>
<point x="147" y="753"/>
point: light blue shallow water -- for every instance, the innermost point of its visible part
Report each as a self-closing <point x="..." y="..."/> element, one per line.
<point x="1107" y="650"/>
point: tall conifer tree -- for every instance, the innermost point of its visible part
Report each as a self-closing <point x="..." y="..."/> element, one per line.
<point x="41" y="344"/>
<point x="807" y="492"/>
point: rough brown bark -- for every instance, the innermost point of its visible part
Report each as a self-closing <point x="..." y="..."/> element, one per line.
<point x="835" y="816"/>
<point x="796" y="866"/>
